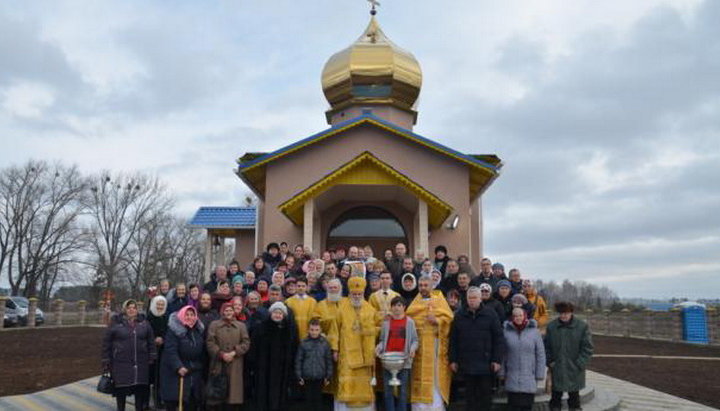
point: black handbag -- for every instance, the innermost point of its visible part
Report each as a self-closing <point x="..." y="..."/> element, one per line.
<point x="217" y="386"/>
<point x="105" y="384"/>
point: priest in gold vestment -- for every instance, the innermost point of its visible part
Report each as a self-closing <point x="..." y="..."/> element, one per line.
<point x="430" y="386"/>
<point x="352" y="339"/>
<point x="302" y="306"/>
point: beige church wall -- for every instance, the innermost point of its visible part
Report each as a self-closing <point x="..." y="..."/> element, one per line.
<point x="245" y="247"/>
<point x="388" y="113"/>
<point x="476" y="232"/>
<point x="439" y="174"/>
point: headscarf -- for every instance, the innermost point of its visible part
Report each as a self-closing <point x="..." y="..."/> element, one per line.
<point x="153" y="306"/>
<point x="414" y="280"/>
<point x="127" y="303"/>
<point x="525" y="321"/>
<point x="434" y="283"/>
<point x="183" y="320"/>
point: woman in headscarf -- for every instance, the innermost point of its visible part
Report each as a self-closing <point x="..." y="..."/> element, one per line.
<point x="183" y="357"/>
<point x="273" y="352"/>
<point x="128" y="349"/>
<point x="157" y="316"/>
<point x="524" y="362"/>
<point x="227" y="343"/>
<point x="222" y="295"/>
<point x="408" y="286"/>
<point x="436" y="277"/>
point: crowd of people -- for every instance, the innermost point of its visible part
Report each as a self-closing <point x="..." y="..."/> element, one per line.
<point x="293" y="329"/>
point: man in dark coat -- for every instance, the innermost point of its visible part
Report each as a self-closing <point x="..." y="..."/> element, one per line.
<point x="395" y="264"/>
<point x="568" y="349"/>
<point x="449" y="281"/>
<point x="485" y="276"/>
<point x="477" y="346"/>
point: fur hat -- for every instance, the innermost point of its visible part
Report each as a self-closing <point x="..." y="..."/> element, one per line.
<point x="519" y="299"/>
<point x="357" y="284"/>
<point x="278" y="305"/>
<point x="486" y="287"/>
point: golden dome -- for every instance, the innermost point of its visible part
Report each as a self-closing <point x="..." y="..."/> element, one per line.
<point x="373" y="70"/>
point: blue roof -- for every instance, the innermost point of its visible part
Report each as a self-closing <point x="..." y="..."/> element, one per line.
<point x="224" y="217"/>
<point x="364" y="118"/>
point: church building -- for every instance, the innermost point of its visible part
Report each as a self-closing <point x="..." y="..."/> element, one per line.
<point x="368" y="179"/>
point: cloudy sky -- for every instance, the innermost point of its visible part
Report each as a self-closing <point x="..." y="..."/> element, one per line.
<point x="606" y="113"/>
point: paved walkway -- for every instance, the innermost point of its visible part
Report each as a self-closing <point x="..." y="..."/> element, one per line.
<point x="78" y="396"/>
<point x="81" y="395"/>
<point x="637" y="397"/>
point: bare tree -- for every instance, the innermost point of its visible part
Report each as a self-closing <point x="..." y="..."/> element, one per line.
<point x="39" y="208"/>
<point x="121" y="206"/>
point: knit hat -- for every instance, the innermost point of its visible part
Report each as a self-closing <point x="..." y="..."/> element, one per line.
<point x="503" y="283"/>
<point x="373" y="277"/>
<point x="498" y="265"/>
<point x="357" y="284"/>
<point x="238" y="279"/>
<point x="486" y="287"/>
<point x="278" y="305"/>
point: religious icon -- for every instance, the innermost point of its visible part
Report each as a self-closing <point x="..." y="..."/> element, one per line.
<point x="357" y="268"/>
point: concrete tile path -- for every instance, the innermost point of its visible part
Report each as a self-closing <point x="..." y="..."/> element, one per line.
<point x="81" y="396"/>
<point x="636" y="397"/>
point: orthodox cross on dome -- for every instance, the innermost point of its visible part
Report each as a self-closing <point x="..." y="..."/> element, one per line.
<point x="374" y="4"/>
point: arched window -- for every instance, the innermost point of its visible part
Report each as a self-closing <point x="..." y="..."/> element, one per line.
<point x="366" y="222"/>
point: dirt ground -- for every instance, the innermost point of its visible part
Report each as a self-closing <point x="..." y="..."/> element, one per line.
<point x="40" y="358"/>
<point x="697" y="381"/>
<point x="36" y="359"/>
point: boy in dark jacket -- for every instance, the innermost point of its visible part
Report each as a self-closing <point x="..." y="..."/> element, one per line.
<point x="313" y="365"/>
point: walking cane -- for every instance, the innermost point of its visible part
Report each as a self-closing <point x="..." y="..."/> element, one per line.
<point x="181" y="396"/>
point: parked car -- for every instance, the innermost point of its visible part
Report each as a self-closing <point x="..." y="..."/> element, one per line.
<point x="23" y="306"/>
<point x="11" y="317"/>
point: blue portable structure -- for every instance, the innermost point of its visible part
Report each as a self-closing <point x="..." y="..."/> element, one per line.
<point x="695" y="329"/>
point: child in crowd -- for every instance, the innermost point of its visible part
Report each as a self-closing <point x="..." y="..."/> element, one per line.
<point x="313" y="365"/>
<point x="398" y="334"/>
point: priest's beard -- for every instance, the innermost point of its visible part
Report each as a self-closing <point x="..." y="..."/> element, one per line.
<point x="334" y="297"/>
<point x="356" y="302"/>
